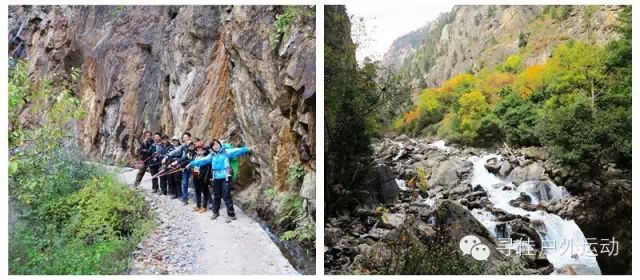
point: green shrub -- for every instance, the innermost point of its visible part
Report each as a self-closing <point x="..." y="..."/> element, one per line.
<point x="282" y="24"/>
<point x="489" y="131"/>
<point x="523" y="39"/>
<point x="294" y="220"/>
<point x="562" y="12"/>
<point x="290" y="210"/>
<point x="583" y="137"/>
<point x="492" y="42"/>
<point x="295" y="175"/>
<point x="283" y="21"/>
<point x="117" y="10"/>
<point x="491" y="12"/>
<point x="71" y="216"/>
<point x="270" y="193"/>
<point x="306" y="232"/>
<point x="512" y="64"/>
<point x="89" y="225"/>
<point x="518" y="117"/>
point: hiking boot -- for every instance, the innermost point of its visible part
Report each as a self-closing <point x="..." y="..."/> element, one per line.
<point x="185" y="202"/>
<point x="195" y="209"/>
<point x="202" y="210"/>
<point x="215" y="216"/>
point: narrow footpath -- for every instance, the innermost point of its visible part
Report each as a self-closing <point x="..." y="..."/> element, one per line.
<point x="186" y="242"/>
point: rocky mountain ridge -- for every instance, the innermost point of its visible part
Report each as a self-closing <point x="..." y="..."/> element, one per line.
<point x="470" y="38"/>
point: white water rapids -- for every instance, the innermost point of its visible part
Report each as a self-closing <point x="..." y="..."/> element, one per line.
<point x="563" y="242"/>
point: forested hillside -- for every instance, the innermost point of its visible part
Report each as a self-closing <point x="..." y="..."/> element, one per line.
<point x="577" y="102"/>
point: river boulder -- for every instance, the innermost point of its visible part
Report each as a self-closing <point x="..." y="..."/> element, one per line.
<point x="492" y="165"/>
<point x="531" y="172"/>
<point x="534" y="153"/>
<point x="450" y="172"/>
<point x="381" y="185"/>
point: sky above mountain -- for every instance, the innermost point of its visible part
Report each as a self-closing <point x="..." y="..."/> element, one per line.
<point x="386" y="21"/>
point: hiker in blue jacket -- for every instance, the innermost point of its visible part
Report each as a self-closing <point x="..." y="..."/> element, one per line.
<point x="219" y="160"/>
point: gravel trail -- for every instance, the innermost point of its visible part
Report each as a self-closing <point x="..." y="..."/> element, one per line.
<point x="186" y="242"/>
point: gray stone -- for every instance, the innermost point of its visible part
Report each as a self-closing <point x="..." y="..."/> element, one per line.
<point x="450" y="172"/>
<point x="535" y="153"/>
<point x="531" y="172"/>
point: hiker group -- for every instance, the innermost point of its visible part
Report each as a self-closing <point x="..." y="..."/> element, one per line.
<point x="173" y="163"/>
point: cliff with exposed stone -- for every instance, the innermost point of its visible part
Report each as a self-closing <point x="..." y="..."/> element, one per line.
<point x="220" y="72"/>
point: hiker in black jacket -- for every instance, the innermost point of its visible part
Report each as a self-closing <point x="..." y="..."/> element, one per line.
<point x="181" y="151"/>
<point x="162" y="149"/>
<point x="175" y="178"/>
<point x="201" y="176"/>
<point x="144" y="152"/>
<point x="154" y="164"/>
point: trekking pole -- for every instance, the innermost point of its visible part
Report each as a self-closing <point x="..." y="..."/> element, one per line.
<point x="163" y="174"/>
<point x="140" y="164"/>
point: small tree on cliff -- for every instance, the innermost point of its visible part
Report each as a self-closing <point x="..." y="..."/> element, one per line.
<point x="39" y="114"/>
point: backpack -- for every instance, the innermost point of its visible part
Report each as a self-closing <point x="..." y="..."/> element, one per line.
<point x="233" y="162"/>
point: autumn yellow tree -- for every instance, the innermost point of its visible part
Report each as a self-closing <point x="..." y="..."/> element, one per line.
<point x="493" y="83"/>
<point x="576" y="66"/>
<point x="512" y="64"/>
<point x="473" y="106"/>
<point x="530" y="80"/>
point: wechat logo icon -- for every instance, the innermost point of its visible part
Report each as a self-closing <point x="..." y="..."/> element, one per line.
<point x="471" y="244"/>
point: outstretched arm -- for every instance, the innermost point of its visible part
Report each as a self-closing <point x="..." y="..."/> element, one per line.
<point x="177" y="151"/>
<point x="232" y="153"/>
<point x="203" y="161"/>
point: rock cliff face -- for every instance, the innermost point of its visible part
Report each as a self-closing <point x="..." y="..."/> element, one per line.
<point x="470" y="38"/>
<point x="404" y="47"/>
<point x="220" y="72"/>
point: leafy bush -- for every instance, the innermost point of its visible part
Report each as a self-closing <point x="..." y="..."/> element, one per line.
<point x="561" y="13"/>
<point x="294" y="220"/>
<point x="493" y="41"/>
<point x="512" y="64"/>
<point x="523" y="39"/>
<point x="518" y="120"/>
<point x="291" y="210"/>
<point x="270" y="193"/>
<point x="89" y="227"/>
<point x="491" y="12"/>
<point x="306" y="232"/>
<point x="295" y="175"/>
<point x="489" y="131"/>
<point x="117" y="10"/>
<point x="283" y="21"/>
<point x="582" y="137"/>
<point x="71" y="216"/>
